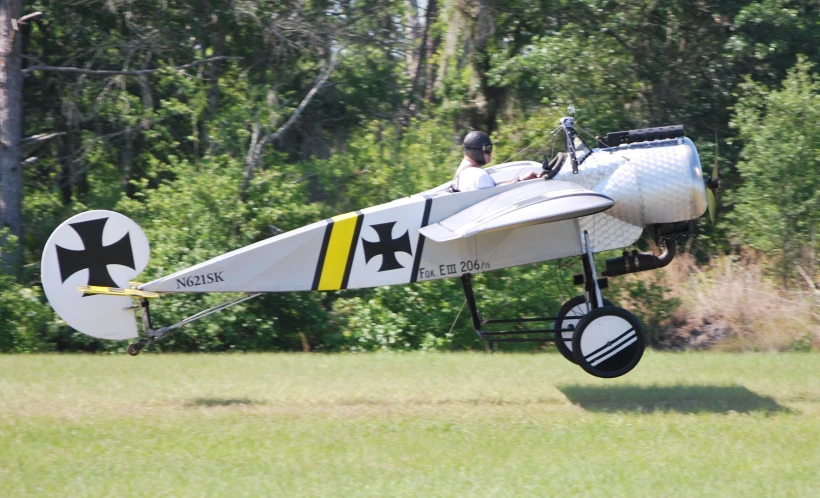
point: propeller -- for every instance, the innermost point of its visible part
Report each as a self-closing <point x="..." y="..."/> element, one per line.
<point x="712" y="186"/>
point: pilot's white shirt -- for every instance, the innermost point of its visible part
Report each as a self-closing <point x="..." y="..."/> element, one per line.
<point x="472" y="177"/>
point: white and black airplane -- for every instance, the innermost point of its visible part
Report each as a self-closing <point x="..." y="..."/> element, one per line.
<point x="585" y="200"/>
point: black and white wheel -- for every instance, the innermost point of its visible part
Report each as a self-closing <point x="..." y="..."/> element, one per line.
<point x="577" y="306"/>
<point x="608" y="342"/>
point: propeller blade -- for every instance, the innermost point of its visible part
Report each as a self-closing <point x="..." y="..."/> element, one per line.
<point x="712" y="185"/>
<point x="711" y="201"/>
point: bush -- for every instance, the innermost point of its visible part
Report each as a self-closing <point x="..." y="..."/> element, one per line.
<point x="26" y="324"/>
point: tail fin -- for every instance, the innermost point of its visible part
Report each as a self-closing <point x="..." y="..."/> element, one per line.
<point x="97" y="249"/>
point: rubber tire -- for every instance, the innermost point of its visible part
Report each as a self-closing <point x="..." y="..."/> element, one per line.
<point x="562" y="346"/>
<point x="633" y="354"/>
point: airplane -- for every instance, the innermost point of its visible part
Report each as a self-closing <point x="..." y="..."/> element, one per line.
<point x="585" y="200"/>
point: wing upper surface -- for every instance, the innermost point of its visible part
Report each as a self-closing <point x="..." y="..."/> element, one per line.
<point x="532" y="203"/>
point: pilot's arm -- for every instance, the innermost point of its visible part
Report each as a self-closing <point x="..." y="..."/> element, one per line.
<point x="528" y="176"/>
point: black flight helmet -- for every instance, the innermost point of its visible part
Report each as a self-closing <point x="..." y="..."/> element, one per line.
<point x="476" y="144"/>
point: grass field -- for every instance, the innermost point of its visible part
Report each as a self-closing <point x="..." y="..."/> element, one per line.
<point x="703" y="424"/>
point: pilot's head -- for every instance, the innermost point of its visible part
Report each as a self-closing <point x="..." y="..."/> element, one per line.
<point x="478" y="147"/>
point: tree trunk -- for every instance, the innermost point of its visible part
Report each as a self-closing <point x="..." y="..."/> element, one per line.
<point x="217" y="37"/>
<point x="411" y="32"/>
<point x="433" y="43"/>
<point x="127" y="163"/>
<point x="65" y="156"/>
<point x="11" y="132"/>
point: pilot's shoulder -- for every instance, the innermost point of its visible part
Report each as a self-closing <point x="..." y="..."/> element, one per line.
<point x="485" y="180"/>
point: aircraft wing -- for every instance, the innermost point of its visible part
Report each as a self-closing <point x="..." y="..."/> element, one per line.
<point x="532" y="203"/>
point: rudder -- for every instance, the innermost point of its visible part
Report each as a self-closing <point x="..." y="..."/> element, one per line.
<point x="98" y="249"/>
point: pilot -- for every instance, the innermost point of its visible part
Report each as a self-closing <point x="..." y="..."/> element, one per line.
<point x="478" y="151"/>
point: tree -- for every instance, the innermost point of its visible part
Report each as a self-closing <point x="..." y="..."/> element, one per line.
<point x="11" y="130"/>
<point x="777" y="208"/>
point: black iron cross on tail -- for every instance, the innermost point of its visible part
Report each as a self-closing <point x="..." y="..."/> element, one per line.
<point x="95" y="256"/>
<point x="387" y="246"/>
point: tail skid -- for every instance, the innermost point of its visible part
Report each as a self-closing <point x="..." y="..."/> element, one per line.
<point x="152" y="335"/>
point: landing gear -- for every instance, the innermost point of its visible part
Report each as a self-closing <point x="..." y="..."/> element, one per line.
<point x="603" y="339"/>
<point x="608" y="342"/>
<point x="565" y="326"/>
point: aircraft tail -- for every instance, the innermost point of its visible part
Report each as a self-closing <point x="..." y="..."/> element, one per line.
<point x="87" y="264"/>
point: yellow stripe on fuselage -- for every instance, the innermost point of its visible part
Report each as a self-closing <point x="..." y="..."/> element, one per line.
<point x="338" y="251"/>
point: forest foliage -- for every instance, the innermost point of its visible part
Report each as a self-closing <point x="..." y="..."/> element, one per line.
<point x="217" y="123"/>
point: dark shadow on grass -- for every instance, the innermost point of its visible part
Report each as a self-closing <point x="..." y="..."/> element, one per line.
<point x="681" y="399"/>
<point x="223" y="402"/>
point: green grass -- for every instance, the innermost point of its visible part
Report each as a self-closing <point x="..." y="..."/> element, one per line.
<point x="701" y="424"/>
